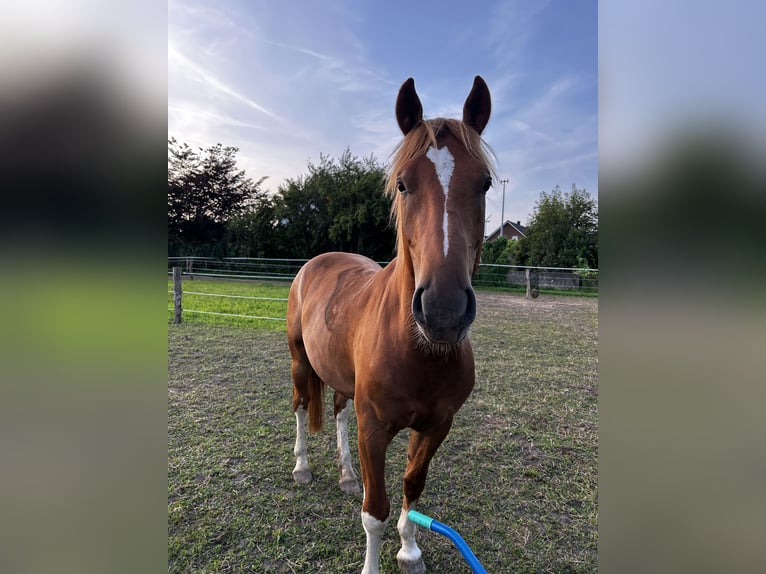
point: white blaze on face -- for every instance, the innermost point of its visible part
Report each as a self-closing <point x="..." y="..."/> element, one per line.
<point x="444" y="164"/>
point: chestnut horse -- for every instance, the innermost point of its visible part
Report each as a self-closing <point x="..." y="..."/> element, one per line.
<point x="394" y="340"/>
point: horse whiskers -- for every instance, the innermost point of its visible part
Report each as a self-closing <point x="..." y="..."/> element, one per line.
<point x="429" y="348"/>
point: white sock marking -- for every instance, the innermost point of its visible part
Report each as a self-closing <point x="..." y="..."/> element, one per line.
<point x="301" y="460"/>
<point x="409" y="551"/>
<point x="374" y="530"/>
<point x="344" y="453"/>
<point x="444" y="164"/>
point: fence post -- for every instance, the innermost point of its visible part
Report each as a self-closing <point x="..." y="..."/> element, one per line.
<point x="529" y="286"/>
<point x="533" y="282"/>
<point x="177" y="294"/>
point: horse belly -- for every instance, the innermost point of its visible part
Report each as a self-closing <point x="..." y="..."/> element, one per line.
<point x="331" y="363"/>
<point x="329" y="287"/>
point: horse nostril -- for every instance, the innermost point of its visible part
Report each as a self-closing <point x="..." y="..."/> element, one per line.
<point x="417" y="306"/>
<point x="470" y="311"/>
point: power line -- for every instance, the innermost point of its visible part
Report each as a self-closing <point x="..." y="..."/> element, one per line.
<point x="502" y="209"/>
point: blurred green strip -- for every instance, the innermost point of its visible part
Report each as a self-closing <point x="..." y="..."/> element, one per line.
<point x="83" y="322"/>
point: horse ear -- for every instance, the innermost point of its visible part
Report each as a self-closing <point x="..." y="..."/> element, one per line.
<point x="409" y="110"/>
<point x="478" y="106"/>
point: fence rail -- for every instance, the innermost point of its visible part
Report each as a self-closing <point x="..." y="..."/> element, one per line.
<point x="489" y="275"/>
<point x="235" y="315"/>
<point x="234" y="296"/>
<point x="506" y="277"/>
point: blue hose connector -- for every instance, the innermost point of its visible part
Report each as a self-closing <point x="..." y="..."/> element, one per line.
<point x="436" y="526"/>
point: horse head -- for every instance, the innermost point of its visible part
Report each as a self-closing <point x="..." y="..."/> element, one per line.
<point x="440" y="176"/>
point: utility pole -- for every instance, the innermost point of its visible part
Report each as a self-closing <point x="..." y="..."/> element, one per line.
<point x="502" y="209"/>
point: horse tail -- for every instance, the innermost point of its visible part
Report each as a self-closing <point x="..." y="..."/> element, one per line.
<point x="316" y="401"/>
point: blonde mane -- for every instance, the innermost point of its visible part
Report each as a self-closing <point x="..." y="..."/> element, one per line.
<point x="423" y="136"/>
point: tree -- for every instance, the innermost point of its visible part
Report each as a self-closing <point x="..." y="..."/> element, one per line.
<point x="206" y="190"/>
<point x="563" y="231"/>
<point x="338" y="206"/>
<point x="254" y="233"/>
<point x="302" y="217"/>
<point x="358" y="207"/>
<point x="215" y="210"/>
<point x="497" y="252"/>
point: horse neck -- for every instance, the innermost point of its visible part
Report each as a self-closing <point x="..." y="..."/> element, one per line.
<point x="400" y="278"/>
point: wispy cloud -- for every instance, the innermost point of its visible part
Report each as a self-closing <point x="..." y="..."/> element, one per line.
<point x="314" y="54"/>
<point x="181" y="62"/>
<point x="512" y="26"/>
<point x="213" y="118"/>
<point x="287" y="81"/>
<point x="347" y="74"/>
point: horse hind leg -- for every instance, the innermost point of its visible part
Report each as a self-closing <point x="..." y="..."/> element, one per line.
<point x="349" y="483"/>
<point x="302" y="470"/>
<point x="307" y="405"/>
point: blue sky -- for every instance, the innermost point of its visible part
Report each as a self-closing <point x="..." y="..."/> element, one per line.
<point x="285" y="81"/>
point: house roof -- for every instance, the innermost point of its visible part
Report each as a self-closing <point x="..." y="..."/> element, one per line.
<point x="509" y="228"/>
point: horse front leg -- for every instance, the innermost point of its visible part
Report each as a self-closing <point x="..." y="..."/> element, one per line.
<point x="349" y="482"/>
<point x="373" y="442"/>
<point x="419" y="454"/>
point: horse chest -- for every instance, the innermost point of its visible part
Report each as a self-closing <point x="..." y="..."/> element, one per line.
<point x="419" y="383"/>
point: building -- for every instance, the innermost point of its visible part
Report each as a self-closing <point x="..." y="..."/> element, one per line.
<point x="511" y="231"/>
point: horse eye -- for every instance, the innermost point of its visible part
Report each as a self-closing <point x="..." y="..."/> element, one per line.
<point x="487" y="185"/>
<point x="400" y="186"/>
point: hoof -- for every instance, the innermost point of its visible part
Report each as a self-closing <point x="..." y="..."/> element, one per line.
<point x="417" y="567"/>
<point x="302" y="476"/>
<point x="349" y="485"/>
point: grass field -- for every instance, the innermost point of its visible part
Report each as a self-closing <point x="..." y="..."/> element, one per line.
<point x="516" y="477"/>
<point x="196" y="298"/>
<point x="218" y="310"/>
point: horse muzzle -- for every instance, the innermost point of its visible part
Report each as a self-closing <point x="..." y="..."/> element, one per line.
<point x="443" y="317"/>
